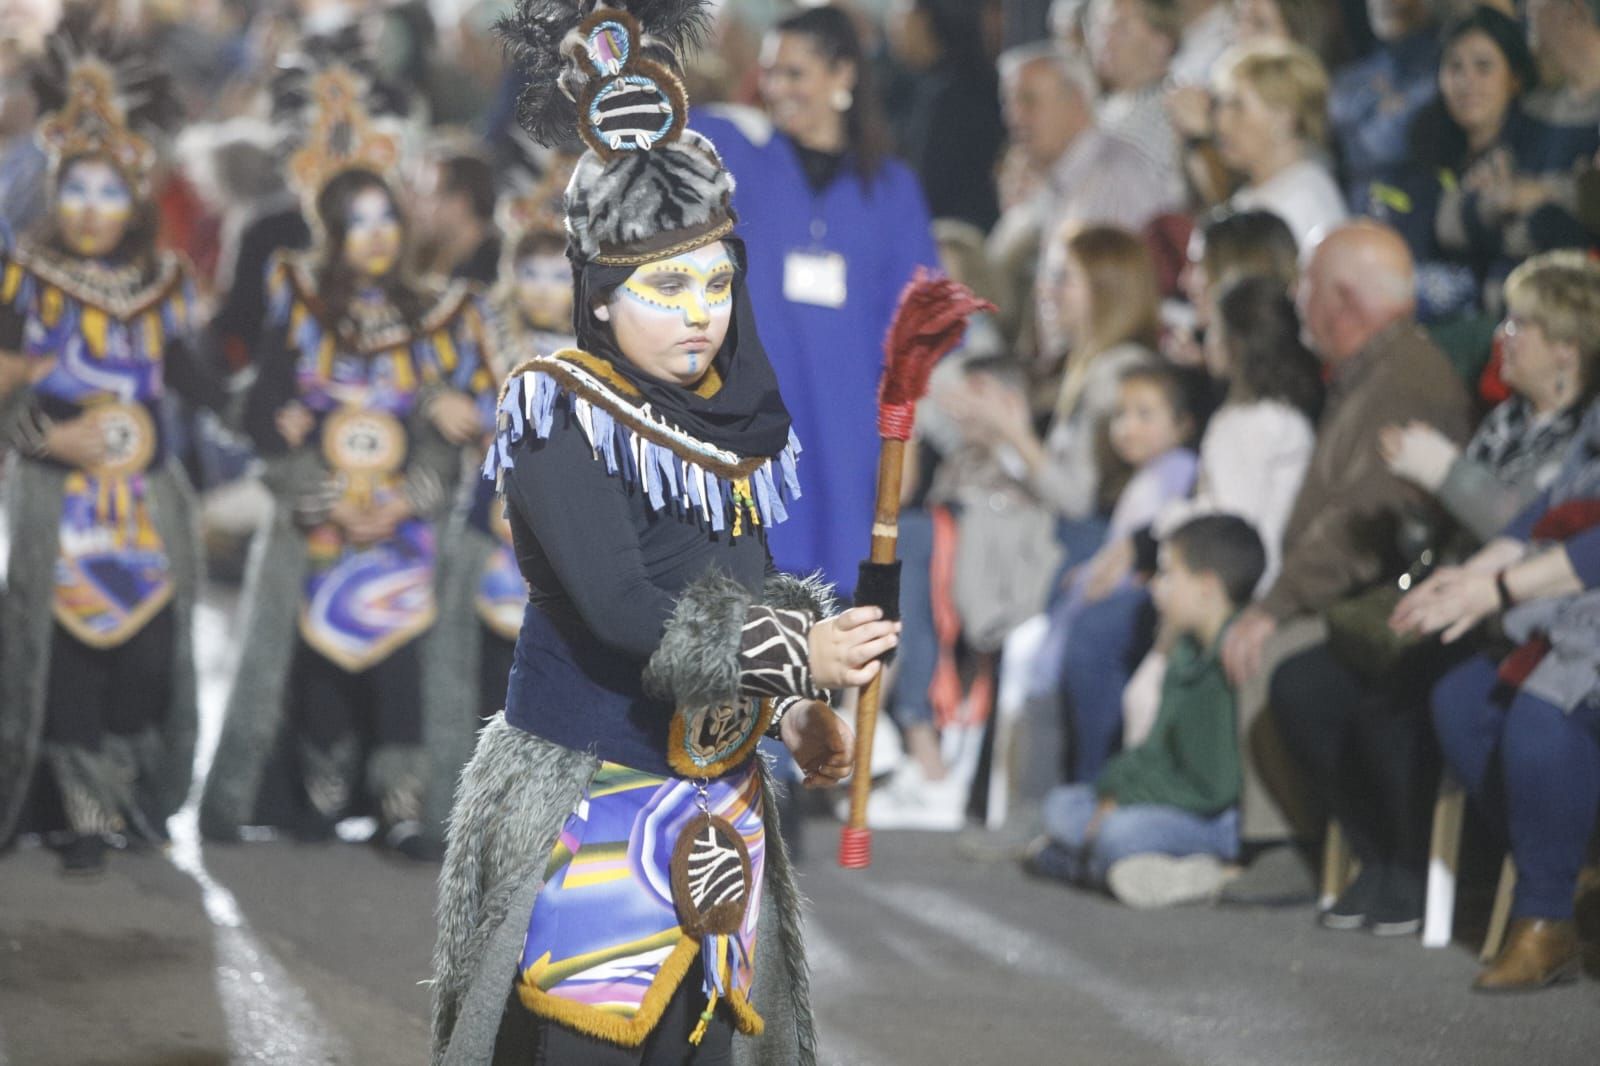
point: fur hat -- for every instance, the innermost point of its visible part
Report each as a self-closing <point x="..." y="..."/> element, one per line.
<point x="648" y="187"/>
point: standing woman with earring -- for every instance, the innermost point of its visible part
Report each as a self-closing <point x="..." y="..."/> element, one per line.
<point x="835" y="229"/>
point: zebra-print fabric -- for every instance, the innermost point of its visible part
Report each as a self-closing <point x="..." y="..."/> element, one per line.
<point x="681" y="186"/>
<point x="774" y="656"/>
<point x="780" y="710"/>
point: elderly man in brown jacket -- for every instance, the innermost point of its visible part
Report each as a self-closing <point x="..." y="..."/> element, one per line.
<point x="1357" y="307"/>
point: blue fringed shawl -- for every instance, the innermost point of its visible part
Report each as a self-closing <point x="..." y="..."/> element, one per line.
<point x="672" y="468"/>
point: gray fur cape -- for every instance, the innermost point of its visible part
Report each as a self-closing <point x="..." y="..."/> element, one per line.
<point x="35" y="493"/>
<point x="514" y="798"/>
<point x="253" y="727"/>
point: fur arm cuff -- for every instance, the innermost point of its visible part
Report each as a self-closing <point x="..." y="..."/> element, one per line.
<point x="720" y="645"/>
<point x="790" y="592"/>
<point x="697" y="661"/>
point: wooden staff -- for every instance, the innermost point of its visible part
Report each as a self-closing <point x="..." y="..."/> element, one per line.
<point x="929" y="321"/>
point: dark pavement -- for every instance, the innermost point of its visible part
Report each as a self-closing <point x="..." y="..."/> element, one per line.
<point x="285" y="953"/>
<point x="311" y="954"/>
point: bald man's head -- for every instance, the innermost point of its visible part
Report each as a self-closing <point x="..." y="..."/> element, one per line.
<point x="1359" y="280"/>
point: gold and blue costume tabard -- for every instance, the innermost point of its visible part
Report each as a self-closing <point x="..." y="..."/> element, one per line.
<point x="96" y="338"/>
<point x="361" y="603"/>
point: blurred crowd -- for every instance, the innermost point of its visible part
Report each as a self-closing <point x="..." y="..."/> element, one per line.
<point x="1262" y="501"/>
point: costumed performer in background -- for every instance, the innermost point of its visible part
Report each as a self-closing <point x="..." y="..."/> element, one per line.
<point x="481" y="592"/>
<point x="370" y="383"/>
<point x="97" y="676"/>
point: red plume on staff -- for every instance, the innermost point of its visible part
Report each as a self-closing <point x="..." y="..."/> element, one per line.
<point x="930" y="320"/>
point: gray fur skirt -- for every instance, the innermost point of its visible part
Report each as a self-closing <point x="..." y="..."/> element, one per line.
<point x="513" y="799"/>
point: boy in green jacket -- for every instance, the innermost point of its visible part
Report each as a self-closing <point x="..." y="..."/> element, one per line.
<point x="1162" y="819"/>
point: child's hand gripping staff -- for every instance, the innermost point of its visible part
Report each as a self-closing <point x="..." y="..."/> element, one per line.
<point x="930" y="321"/>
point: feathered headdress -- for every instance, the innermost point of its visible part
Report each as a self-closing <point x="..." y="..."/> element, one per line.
<point x="334" y="107"/>
<point x="98" y="94"/>
<point x="648" y="187"/>
<point x="539" y="208"/>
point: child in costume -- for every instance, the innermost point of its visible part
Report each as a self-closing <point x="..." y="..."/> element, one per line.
<point x="615" y="889"/>
<point x="370" y="384"/>
<point x="97" y="677"/>
<point x="482" y="594"/>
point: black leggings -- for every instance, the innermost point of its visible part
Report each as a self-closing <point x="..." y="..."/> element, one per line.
<point x="123" y="690"/>
<point x="381" y="705"/>
<point x="525" y="1039"/>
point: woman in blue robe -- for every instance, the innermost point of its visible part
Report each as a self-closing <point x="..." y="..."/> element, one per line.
<point x="835" y="229"/>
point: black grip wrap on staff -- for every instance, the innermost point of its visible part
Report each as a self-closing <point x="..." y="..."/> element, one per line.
<point x="878" y="585"/>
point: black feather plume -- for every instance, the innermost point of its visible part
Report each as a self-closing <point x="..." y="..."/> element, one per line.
<point x="144" y="89"/>
<point x="533" y="34"/>
<point x="290" y="88"/>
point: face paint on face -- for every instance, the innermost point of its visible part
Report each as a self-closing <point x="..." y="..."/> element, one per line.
<point x="671" y="316"/>
<point x="94" y="208"/>
<point x="372" y="237"/>
<point x="544" y="291"/>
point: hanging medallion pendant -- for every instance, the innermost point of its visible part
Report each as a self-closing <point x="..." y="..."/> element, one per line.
<point x="711" y="741"/>
<point x="711" y="877"/>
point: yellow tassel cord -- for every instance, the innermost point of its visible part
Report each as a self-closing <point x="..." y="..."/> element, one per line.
<point x="706" y="1015"/>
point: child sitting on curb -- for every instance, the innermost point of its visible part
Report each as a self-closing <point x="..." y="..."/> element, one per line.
<point x="1161" y="820"/>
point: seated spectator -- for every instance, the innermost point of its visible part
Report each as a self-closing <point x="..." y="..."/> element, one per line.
<point x="1362" y="737"/>
<point x="1523" y="734"/>
<point x="1565" y="36"/>
<point x="1151" y="432"/>
<point x="1473" y="199"/>
<point x="1105" y="302"/>
<point x="1131" y="43"/>
<point x="1189" y="104"/>
<point x="1175" y="795"/>
<point x="1208" y="31"/>
<point x="952" y="133"/>
<point x="1075" y="172"/>
<point x="1357" y="304"/>
<point x="1373" y="100"/>
<point x="1549" y="365"/>
<point x="1226" y="246"/>
<point x="1303" y="22"/>
<point x="1253" y="459"/>
<point x="1256" y="447"/>
<point x="1271" y="121"/>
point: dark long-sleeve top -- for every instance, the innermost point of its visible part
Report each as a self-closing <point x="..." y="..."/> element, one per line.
<point x="1190" y="760"/>
<point x="604" y="571"/>
<point x="1460" y="245"/>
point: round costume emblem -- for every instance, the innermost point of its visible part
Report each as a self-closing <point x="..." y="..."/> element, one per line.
<point x="130" y="436"/>
<point x="359" y="441"/>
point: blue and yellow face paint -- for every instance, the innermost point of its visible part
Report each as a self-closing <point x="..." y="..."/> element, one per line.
<point x="692" y="287"/>
<point x="94" y="207"/>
